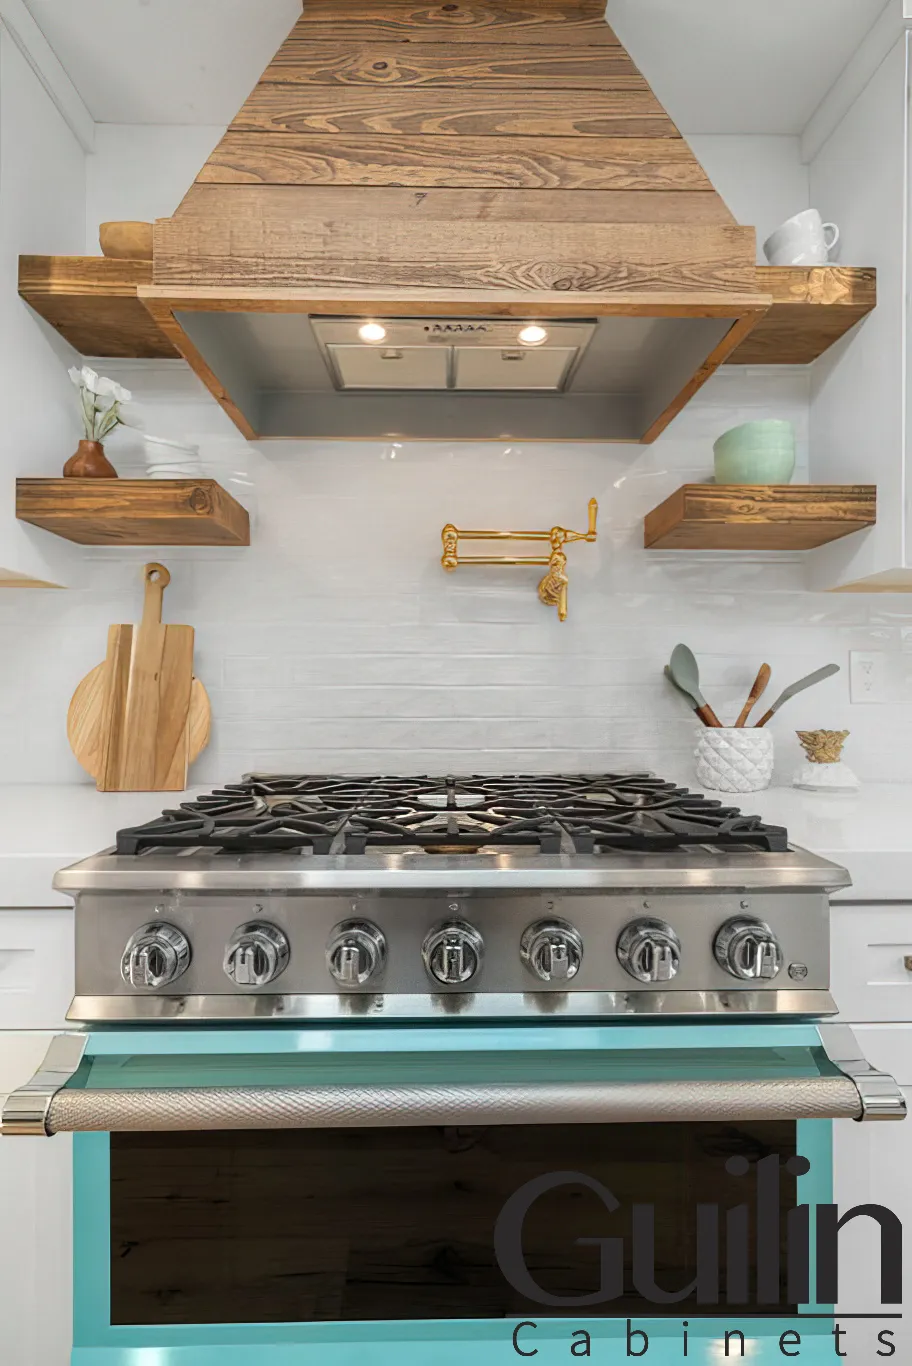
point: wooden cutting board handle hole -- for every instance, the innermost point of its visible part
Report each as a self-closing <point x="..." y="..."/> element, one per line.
<point x="157" y="579"/>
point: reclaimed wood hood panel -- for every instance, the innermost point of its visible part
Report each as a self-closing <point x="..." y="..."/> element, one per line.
<point x="375" y="106"/>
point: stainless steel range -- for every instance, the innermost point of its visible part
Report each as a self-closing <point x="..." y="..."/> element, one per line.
<point x="322" y="897"/>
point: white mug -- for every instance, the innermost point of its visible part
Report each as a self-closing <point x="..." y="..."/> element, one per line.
<point x="802" y="241"/>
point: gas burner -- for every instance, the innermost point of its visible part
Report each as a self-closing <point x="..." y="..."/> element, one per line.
<point x="530" y="813"/>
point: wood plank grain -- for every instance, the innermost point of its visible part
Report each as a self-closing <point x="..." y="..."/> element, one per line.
<point x="417" y="301"/>
<point x="452" y="23"/>
<point x="290" y="203"/>
<point x="134" y="511"/>
<point x="284" y="108"/>
<point x="505" y="163"/>
<point x="759" y="517"/>
<point x="476" y="65"/>
<point x="813" y="307"/>
<point x="600" y="258"/>
<point x="91" y="301"/>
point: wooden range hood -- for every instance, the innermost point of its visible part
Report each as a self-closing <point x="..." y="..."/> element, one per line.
<point x="462" y="162"/>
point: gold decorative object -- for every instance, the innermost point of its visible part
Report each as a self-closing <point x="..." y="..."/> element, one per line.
<point x="553" y="587"/>
<point x="823" y="746"/>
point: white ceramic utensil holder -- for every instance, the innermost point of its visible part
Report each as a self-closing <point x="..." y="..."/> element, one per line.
<point x="734" y="760"/>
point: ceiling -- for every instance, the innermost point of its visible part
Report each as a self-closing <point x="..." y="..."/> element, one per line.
<point x="742" y="66"/>
<point x="720" y="66"/>
<point x="164" y="61"/>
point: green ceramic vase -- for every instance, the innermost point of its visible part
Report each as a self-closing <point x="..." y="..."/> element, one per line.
<point x="756" y="453"/>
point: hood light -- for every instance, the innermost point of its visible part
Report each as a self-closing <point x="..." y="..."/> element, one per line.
<point x="533" y="335"/>
<point x="371" y="332"/>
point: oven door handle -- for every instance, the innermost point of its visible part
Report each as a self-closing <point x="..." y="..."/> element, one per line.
<point x="46" y="1105"/>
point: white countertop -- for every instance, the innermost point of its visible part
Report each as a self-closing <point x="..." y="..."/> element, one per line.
<point x="43" y="828"/>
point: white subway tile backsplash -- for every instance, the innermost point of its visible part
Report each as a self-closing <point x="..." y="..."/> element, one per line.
<point x="337" y="641"/>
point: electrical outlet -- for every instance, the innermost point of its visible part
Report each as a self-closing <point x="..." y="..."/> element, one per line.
<point x="868" y="675"/>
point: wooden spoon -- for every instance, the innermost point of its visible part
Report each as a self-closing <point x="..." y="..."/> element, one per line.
<point x="756" y="692"/>
<point x="817" y="677"/>
<point x="685" y="674"/>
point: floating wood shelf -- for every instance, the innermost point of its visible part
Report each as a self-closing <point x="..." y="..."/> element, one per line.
<point x="813" y="307"/>
<point x="759" y="516"/>
<point x="134" y="511"/>
<point x="91" y="301"/>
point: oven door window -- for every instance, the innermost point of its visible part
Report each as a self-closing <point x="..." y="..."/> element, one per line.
<point x="350" y="1225"/>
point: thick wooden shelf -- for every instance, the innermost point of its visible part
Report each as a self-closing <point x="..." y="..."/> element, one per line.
<point x="91" y="301"/>
<point x="759" y="516"/>
<point x="813" y="307"/>
<point x="134" y="511"/>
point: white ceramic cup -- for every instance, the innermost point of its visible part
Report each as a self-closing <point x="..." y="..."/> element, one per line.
<point x="804" y="240"/>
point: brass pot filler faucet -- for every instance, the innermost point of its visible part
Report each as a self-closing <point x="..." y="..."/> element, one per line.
<point x="553" y="587"/>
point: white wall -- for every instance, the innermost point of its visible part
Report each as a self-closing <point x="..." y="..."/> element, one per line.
<point x="42" y="210"/>
<point x="762" y="179"/>
<point x="142" y="171"/>
<point x="859" y="179"/>
<point x="337" y="641"/>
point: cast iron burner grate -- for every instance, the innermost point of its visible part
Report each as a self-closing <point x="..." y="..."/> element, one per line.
<point x="529" y="813"/>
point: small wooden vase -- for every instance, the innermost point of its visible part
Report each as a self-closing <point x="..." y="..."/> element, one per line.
<point x="89" y="462"/>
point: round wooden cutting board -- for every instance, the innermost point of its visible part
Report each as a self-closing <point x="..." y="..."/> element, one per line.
<point x="84" y="720"/>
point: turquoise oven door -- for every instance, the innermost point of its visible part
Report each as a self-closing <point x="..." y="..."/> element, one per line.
<point x="438" y="1196"/>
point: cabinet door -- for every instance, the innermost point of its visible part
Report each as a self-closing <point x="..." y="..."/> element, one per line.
<point x="870" y="947"/>
<point x="36" y="1247"/>
<point x="36" y="968"/>
<point x="872" y="1164"/>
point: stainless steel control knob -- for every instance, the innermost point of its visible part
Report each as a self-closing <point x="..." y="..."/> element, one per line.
<point x="649" y="950"/>
<point x="356" y="952"/>
<point x="256" y="955"/>
<point x="552" y="950"/>
<point x="453" y="952"/>
<point x="748" y="949"/>
<point x="155" y="956"/>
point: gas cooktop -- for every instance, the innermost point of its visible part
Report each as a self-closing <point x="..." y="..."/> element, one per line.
<point x="309" y="896"/>
<point x="433" y="816"/>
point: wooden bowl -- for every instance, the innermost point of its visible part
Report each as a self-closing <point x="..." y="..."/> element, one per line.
<point x="126" y="241"/>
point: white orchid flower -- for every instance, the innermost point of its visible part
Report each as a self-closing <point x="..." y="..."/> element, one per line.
<point x="99" y="402"/>
<point x="109" y="388"/>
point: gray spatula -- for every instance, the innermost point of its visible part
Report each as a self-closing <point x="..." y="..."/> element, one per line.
<point x="685" y="674"/>
<point x="817" y="677"/>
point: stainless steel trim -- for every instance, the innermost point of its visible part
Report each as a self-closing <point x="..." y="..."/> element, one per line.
<point x="881" y="1097"/>
<point x="269" y="1008"/>
<point x="26" y="1109"/>
<point x="398" y="1106"/>
<point x="695" y="869"/>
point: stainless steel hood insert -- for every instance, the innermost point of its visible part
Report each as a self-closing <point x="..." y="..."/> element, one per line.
<point x="450" y="353"/>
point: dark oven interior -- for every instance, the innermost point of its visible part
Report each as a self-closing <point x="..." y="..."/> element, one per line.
<point x="367" y="1224"/>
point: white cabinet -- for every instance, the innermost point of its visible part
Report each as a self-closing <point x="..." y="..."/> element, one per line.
<point x="858" y="425"/>
<point x="36" y="968"/>
<point x="871" y="946"/>
<point x="36" y="1247"/>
